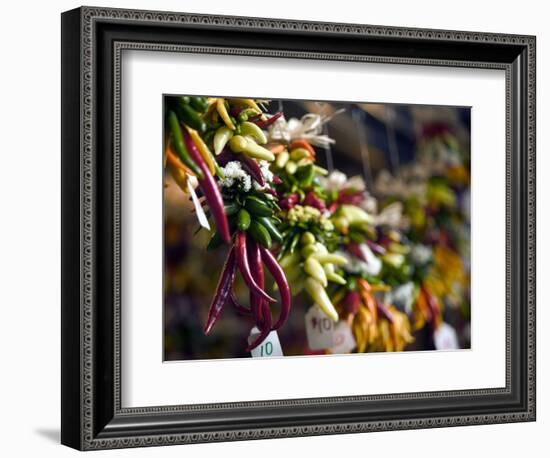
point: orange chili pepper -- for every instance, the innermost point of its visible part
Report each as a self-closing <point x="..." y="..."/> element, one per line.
<point x="301" y="143"/>
<point x="276" y="148"/>
<point x="173" y="160"/>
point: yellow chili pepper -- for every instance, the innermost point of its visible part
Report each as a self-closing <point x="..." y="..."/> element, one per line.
<point x="315" y="289"/>
<point x="222" y="111"/>
<point x="315" y="269"/>
<point x="205" y="152"/>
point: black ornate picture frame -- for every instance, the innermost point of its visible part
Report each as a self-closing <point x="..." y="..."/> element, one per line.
<point x="92" y="42"/>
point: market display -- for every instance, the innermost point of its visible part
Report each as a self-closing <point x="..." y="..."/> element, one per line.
<point x="378" y="267"/>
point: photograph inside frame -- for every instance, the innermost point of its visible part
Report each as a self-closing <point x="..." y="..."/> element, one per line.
<point x="300" y="227"/>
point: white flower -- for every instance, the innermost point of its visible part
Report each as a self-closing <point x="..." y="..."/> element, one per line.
<point x="235" y="175"/>
<point x="266" y="173"/>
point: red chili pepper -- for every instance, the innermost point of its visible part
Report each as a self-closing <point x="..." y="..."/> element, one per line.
<point x="352" y="198"/>
<point x="282" y="283"/>
<point x="249" y="165"/>
<point x="257" y="271"/>
<point x="244" y="267"/>
<point x="356" y="251"/>
<point x="223" y="290"/>
<point x="210" y="189"/>
<point x="352" y="302"/>
<point x="264" y="327"/>
<point x="252" y="167"/>
<point x="375" y="248"/>
<point x="313" y="201"/>
<point x="289" y="202"/>
<point x="263" y="124"/>
<point x="383" y="311"/>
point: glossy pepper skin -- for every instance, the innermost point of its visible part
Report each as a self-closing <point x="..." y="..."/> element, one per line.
<point x="269" y="224"/>
<point x="223" y="290"/>
<point x="189" y="116"/>
<point x="179" y="145"/>
<point x="211" y="190"/>
<point x="282" y="283"/>
<point x="244" y="267"/>
<point x="260" y="308"/>
<point x="257" y="207"/>
<point x="260" y="234"/>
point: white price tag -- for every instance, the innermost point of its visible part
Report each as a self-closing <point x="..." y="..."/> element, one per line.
<point x="201" y="216"/>
<point x="445" y="337"/>
<point x="269" y="347"/>
<point x="343" y="340"/>
<point x="319" y="329"/>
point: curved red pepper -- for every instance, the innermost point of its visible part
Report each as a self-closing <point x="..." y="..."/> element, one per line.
<point x="265" y="328"/>
<point x="282" y="283"/>
<point x="383" y="311"/>
<point x="223" y="290"/>
<point x="210" y="189"/>
<point x="249" y="165"/>
<point x="375" y="248"/>
<point x="263" y="124"/>
<point x="356" y="251"/>
<point x="257" y="271"/>
<point x="244" y="267"/>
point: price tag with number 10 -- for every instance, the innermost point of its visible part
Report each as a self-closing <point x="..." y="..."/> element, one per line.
<point x="319" y="329"/>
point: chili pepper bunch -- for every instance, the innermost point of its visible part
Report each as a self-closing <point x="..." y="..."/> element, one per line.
<point x="316" y="233"/>
<point x="435" y="200"/>
<point x="235" y="189"/>
<point x="307" y="252"/>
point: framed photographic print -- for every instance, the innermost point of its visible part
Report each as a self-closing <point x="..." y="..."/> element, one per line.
<point x="277" y="228"/>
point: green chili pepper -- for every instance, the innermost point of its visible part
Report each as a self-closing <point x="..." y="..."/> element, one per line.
<point x="332" y="258"/>
<point x="231" y="208"/>
<point x="315" y="289"/>
<point x="190" y="117"/>
<point x="252" y="130"/>
<point x="269" y="224"/>
<point x="257" y="207"/>
<point x="199" y="104"/>
<point x="179" y="145"/>
<point x="299" y="153"/>
<point x="246" y="114"/>
<point x="307" y="238"/>
<point x="260" y="234"/>
<point x="246" y="145"/>
<point x="243" y="219"/>
<point x="308" y="250"/>
<point x="305" y="174"/>
<point x="294" y="242"/>
<point x="222" y="136"/>
<point x="320" y="170"/>
<point x="356" y="237"/>
<point x="315" y="269"/>
<point x="289" y="260"/>
<point x="282" y="159"/>
<point x="291" y="167"/>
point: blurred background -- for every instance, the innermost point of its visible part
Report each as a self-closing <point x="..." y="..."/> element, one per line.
<point x="397" y="150"/>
